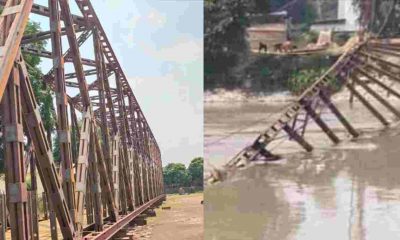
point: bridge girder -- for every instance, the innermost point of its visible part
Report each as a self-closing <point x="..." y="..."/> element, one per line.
<point x="92" y="158"/>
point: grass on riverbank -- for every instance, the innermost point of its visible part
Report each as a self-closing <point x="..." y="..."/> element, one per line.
<point x="303" y="79"/>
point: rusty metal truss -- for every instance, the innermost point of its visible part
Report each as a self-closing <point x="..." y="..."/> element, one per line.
<point x="358" y="67"/>
<point x="110" y="169"/>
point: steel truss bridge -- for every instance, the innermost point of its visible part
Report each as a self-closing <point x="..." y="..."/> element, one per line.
<point x="356" y="69"/>
<point x="115" y="173"/>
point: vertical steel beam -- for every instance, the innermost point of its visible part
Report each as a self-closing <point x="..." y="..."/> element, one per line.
<point x="143" y="130"/>
<point x="134" y="131"/>
<point x="138" y="155"/>
<point x="104" y="179"/>
<point x="142" y="180"/>
<point x="102" y="101"/>
<point x="63" y="131"/>
<point x="35" y="225"/>
<point x="115" y="170"/>
<point x="53" y="221"/>
<point x="14" y="160"/>
<point x="152" y="195"/>
<point x="81" y="169"/>
<point x="146" y="178"/>
<point x="132" y="174"/>
<point x="89" y="201"/>
<point x="101" y="74"/>
<point x="30" y="209"/>
<point x="138" y="194"/>
<point x="127" y="186"/>
<point x="145" y="158"/>
<point x="128" y="139"/>
<point x="124" y="141"/>
<point x="95" y="188"/>
<point x="122" y="183"/>
<point x="45" y="206"/>
<point x="149" y="160"/>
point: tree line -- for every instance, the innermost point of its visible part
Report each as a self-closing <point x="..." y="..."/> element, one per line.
<point x="177" y="175"/>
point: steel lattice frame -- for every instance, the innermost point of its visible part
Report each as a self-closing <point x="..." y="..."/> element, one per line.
<point x="358" y="67"/>
<point x="118" y="168"/>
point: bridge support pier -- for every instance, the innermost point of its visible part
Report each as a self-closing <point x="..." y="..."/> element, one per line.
<point x="338" y="114"/>
<point x="293" y="134"/>
<point x="320" y="122"/>
<point x="368" y="105"/>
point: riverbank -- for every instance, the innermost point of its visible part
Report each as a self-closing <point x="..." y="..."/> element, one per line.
<point x="238" y="96"/>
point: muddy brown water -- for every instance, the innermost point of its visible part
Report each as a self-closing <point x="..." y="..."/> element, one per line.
<point x="347" y="191"/>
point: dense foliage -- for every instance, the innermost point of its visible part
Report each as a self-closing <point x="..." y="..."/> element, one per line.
<point x="302" y="79"/>
<point x="225" y="36"/>
<point x="225" y="23"/>
<point x="177" y="175"/>
<point x="42" y="92"/>
<point x="195" y="170"/>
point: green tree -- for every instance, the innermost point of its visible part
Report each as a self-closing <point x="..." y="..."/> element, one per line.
<point x="225" y="23"/>
<point x="195" y="170"/>
<point x="176" y="175"/>
<point x="43" y="92"/>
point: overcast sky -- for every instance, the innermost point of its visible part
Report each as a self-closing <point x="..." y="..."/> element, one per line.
<point x="159" y="44"/>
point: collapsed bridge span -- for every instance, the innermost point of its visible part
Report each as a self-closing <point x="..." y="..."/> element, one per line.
<point x="360" y="66"/>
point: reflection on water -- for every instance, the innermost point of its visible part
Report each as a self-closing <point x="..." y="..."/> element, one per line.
<point x="348" y="192"/>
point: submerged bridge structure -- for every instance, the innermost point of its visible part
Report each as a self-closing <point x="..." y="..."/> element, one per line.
<point x="360" y="66"/>
<point x="110" y="168"/>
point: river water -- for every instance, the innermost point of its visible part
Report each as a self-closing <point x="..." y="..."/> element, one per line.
<point x="347" y="191"/>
